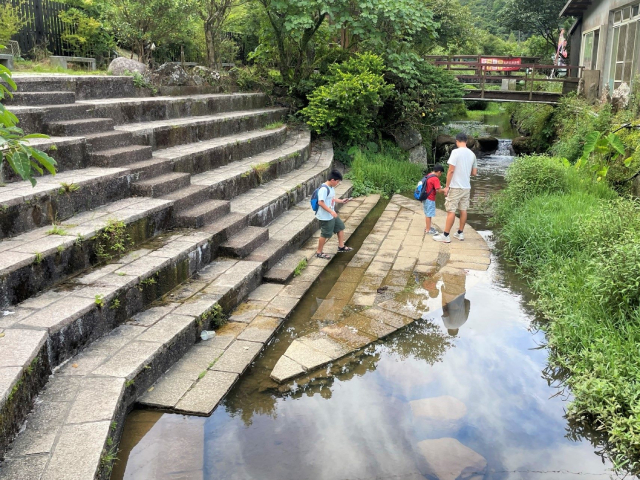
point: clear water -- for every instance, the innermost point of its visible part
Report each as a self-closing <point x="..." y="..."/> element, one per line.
<point x="356" y="422"/>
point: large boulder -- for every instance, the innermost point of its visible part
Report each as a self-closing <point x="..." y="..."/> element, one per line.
<point x="171" y="75"/>
<point x="522" y="146"/>
<point x="488" y="145"/>
<point x="204" y="76"/>
<point x="418" y="155"/>
<point x="407" y="138"/>
<point x="620" y="97"/>
<point x="122" y="66"/>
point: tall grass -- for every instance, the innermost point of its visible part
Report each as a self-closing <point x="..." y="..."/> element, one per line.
<point x="578" y="243"/>
<point x="387" y="171"/>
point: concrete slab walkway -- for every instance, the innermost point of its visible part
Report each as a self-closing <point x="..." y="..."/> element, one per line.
<point x="379" y="292"/>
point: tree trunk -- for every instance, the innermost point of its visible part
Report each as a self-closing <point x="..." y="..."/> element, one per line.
<point x="211" y="45"/>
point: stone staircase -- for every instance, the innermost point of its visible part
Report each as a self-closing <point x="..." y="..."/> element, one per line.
<point x="206" y="193"/>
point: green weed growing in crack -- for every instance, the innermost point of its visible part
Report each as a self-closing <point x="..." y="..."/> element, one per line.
<point x="129" y="383"/>
<point x="68" y="188"/>
<point x="79" y="239"/>
<point x="38" y="259"/>
<point x="99" y="301"/>
<point x="112" y="240"/>
<point x="56" y="230"/>
<point x="260" y="170"/>
<point x="115" y="304"/>
<point x="108" y="457"/>
<point x="274" y="125"/>
<point x="202" y="374"/>
<point x="216" y="316"/>
<point x="300" y="268"/>
<point x="60" y="248"/>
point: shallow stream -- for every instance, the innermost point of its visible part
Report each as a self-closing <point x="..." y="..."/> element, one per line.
<point x="358" y="422"/>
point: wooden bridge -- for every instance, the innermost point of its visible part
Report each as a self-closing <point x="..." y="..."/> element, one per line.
<point x="510" y="79"/>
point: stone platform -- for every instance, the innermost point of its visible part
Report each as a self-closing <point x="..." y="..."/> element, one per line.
<point x="386" y="287"/>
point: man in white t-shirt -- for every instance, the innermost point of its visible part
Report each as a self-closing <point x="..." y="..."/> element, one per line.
<point x="462" y="165"/>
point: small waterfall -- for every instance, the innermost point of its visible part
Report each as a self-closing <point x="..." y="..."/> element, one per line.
<point x="505" y="148"/>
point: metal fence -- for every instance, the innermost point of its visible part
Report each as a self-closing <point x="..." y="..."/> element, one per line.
<point x="43" y="26"/>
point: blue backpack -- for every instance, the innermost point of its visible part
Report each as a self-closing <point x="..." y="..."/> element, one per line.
<point x="421" y="193"/>
<point x="314" y="197"/>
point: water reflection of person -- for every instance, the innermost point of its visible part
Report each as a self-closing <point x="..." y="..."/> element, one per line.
<point x="455" y="307"/>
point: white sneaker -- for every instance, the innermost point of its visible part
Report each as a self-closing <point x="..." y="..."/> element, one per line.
<point x="459" y="236"/>
<point x="431" y="231"/>
<point x="441" y="238"/>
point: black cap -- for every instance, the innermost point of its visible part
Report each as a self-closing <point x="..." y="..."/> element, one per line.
<point x="438" y="168"/>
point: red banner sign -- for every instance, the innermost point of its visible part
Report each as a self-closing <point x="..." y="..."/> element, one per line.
<point x="501" y="64"/>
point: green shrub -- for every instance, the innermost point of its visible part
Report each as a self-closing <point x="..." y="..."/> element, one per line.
<point x="11" y="22"/>
<point x="536" y="122"/>
<point x="386" y="172"/>
<point x="346" y="106"/>
<point x="579" y="245"/>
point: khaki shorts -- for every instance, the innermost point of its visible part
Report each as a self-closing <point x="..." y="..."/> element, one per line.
<point x="458" y="199"/>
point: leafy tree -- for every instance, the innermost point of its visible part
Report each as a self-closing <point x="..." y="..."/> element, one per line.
<point x="346" y="106"/>
<point x="26" y="161"/>
<point x="214" y="13"/>
<point x="80" y="31"/>
<point x="534" y="17"/>
<point x="143" y="23"/>
<point x="10" y="22"/>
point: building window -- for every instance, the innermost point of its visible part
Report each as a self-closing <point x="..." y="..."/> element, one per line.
<point x="624" y="46"/>
<point x="591" y="41"/>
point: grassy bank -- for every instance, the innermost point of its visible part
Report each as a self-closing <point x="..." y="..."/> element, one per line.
<point x="385" y="171"/>
<point x="578" y="244"/>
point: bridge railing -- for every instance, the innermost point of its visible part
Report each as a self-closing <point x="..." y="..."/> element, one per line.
<point x="483" y="73"/>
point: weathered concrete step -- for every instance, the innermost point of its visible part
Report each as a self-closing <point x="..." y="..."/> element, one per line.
<point x="120" y="156"/>
<point x="34" y="261"/>
<point x="107" y="140"/>
<point x="150" y="109"/>
<point x="84" y="86"/>
<point x="100" y="384"/>
<point x="43" y="83"/>
<point x="41" y="98"/>
<point x="196" y="383"/>
<point x="207" y="155"/>
<point x="203" y="214"/>
<point x="242" y="244"/>
<point x="79" y="127"/>
<point x="188" y="197"/>
<point x="91" y="305"/>
<point x="72" y="111"/>
<point x="192" y="129"/>
<point x="161" y="185"/>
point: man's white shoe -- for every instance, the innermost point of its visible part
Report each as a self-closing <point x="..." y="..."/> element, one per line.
<point x="441" y="238"/>
<point x="459" y="236"/>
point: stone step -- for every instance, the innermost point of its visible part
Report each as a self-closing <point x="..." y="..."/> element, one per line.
<point x="245" y="242"/>
<point x="188" y="197"/>
<point x="151" y="109"/>
<point x="207" y="155"/>
<point x="79" y="127"/>
<point x="41" y="98"/>
<point x="34" y="261"/>
<point x="90" y="395"/>
<point x="73" y="111"/>
<point x="139" y="352"/>
<point x="193" y="129"/>
<point x="161" y="185"/>
<point x="120" y="156"/>
<point x="203" y="214"/>
<point x="107" y="140"/>
<point x="195" y="385"/>
<point x="42" y="83"/>
<point x="87" y="307"/>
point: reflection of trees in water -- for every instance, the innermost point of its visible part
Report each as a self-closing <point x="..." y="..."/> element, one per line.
<point x="257" y="394"/>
